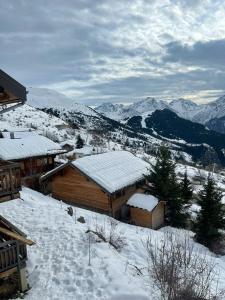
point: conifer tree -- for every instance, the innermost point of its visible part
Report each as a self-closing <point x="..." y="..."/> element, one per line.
<point x="211" y="218"/>
<point x="160" y="175"/>
<point x="80" y="142"/>
<point x="186" y="190"/>
<point x="164" y="185"/>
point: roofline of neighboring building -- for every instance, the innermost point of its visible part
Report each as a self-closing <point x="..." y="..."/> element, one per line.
<point x="36" y="156"/>
<point x="70" y="164"/>
<point x="10" y="84"/>
<point x="11" y="226"/>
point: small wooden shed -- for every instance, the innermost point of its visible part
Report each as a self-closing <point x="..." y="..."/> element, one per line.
<point x="146" y="211"/>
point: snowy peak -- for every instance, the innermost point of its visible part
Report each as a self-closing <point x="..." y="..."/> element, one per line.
<point x="110" y="110"/>
<point x="120" y="111"/>
<point x="149" y="105"/>
<point x="183" y="104"/>
<point x="185" y="108"/>
<point x="212" y="110"/>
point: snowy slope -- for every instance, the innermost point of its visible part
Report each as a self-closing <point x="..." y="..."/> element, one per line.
<point x="185" y="108"/>
<point x="27" y="117"/>
<point x="47" y="98"/>
<point x="215" y="109"/>
<point x="58" y="266"/>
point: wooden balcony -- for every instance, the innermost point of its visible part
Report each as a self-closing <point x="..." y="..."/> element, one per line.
<point x="10" y="180"/>
<point x="13" y="256"/>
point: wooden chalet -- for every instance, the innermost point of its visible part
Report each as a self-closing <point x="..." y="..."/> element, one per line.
<point x="12" y="93"/>
<point x="102" y="182"/>
<point x="34" y="154"/>
<point x="13" y="257"/>
<point x="146" y="211"/>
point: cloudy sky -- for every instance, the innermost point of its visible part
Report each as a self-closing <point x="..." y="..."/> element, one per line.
<point x="116" y="50"/>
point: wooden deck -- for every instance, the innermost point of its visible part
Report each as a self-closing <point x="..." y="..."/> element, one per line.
<point x="10" y="180"/>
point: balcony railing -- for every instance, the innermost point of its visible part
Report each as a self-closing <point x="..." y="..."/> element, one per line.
<point x="12" y="254"/>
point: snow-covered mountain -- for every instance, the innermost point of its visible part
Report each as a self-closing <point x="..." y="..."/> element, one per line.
<point x="212" y="110"/>
<point x="184" y="108"/>
<point x="138" y="131"/>
<point x="48" y="98"/>
<point x="116" y="111"/>
<point x="120" y="112"/>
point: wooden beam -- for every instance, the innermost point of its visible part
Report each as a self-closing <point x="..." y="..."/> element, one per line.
<point x="8" y="273"/>
<point x="16" y="236"/>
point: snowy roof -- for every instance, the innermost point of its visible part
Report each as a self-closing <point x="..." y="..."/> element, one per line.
<point x="143" y="201"/>
<point x="18" y="134"/>
<point x="113" y="170"/>
<point x="28" y="146"/>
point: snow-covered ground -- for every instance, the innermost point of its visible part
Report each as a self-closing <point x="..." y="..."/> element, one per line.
<point x="58" y="266"/>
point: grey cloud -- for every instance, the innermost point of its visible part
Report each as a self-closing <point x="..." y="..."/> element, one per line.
<point x="209" y="54"/>
<point x="54" y="42"/>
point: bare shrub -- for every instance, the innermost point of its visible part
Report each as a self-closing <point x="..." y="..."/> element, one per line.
<point x="116" y="238"/>
<point x="113" y="236"/>
<point x="179" y="272"/>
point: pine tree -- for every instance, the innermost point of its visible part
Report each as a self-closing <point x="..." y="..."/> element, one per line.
<point x="211" y="218"/>
<point x="176" y="213"/>
<point x="160" y="175"/>
<point x="164" y="185"/>
<point x="186" y="190"/>
<point x="80" y="142"/>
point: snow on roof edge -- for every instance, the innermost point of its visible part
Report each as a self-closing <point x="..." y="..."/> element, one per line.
<point x="143" y="201"/>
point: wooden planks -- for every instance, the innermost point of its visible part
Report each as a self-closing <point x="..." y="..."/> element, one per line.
<point x="141" y="217"/>
<point x="74" y="187"/>
<point x="16" y="236"/>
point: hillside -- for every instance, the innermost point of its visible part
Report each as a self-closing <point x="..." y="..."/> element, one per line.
<point x="59" y="265"/>
<point x="137" y="134"/>
<point x="192" y="137"/>
<point x="46" y="98"/>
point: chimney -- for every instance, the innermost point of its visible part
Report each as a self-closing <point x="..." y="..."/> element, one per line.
<point x="12" y="136"/>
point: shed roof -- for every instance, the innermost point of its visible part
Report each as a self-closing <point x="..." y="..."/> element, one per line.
<point x="113" y="170"/>
<point x="32" y="145"/>
<point x="143" y="201"/>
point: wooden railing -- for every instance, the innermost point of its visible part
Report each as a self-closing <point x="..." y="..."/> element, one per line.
<point x="12" y="254"/>
<point x="10" y="179"/>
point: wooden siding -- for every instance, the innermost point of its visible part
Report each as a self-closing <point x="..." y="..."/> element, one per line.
<point x="158" y="215"/>
<point x="141" y="217"/>
<point x="144" y="218"/>
<point x="72" y="186"/>
<point x="36" y="165"/>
